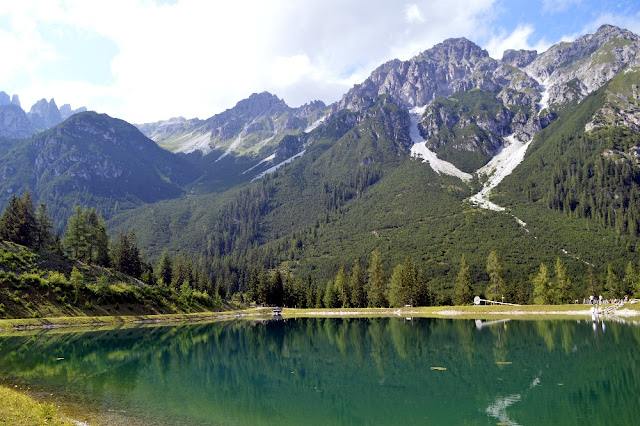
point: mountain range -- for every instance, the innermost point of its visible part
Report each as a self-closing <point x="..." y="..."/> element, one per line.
<point x="450" y="153"/>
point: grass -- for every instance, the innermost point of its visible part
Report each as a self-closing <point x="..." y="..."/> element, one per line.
<point x="527" y="312"/>
<point x="19" y="409"/>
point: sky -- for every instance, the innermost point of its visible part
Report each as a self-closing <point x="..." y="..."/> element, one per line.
<point x="149" y="60"/>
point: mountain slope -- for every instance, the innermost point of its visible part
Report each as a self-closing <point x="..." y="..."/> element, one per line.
<point x="93" y="159"/>
<point x="253" y="124"/>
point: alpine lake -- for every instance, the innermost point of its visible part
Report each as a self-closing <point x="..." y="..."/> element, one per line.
<point x="336" y="371"/>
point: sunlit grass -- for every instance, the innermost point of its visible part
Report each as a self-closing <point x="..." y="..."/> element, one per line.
<point x="19" y="409"/>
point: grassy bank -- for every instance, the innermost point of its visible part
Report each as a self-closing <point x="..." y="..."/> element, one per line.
<point x="20" y="409"/>
<point x="473" y="312"/>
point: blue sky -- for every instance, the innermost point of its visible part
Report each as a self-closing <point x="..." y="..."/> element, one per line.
<point x="145" y="60"/>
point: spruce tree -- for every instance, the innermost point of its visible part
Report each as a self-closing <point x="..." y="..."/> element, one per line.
<point x="358" y="296"/>
<point x="342" y="287"/>
<point x="376" y="287"/>
<point x="165" y="269"/>
<point x="563" y="288"/>
<point x="75" y="238"/>
<point x="542" y="287"/>
<point x="612" y="284"/>
<point x="495" y="289"/>
<point x="462" y="289"/>
<point x="43" y="236"/>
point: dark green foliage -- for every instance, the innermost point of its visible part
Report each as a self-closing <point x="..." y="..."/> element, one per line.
<point x="43" y="235"/>
<point x="125" y="255"/>
<point x="462" y="294"/>
<point x="18" y="221"/>
<point x="358" y="295"/>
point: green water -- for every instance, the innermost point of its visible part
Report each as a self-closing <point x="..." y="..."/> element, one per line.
<point x="339" y="371"/>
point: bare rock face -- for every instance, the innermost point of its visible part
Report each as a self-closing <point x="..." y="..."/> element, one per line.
<point x="519" y="58"/>
<point x="44" y="115"/>
<point x="573" y="70"/>
<point x="455" y="65"/>
<point x="66" y="111"/>
<point x="14" y="123"/>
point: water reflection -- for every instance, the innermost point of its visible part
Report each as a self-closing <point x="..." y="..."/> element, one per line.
<point x="340" y="371"/>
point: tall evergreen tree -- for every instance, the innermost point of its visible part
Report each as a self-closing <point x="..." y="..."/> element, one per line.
<point x="18" y="222"/>
<point x="75" y="237"/>
<point x="165" y="268"/>
<point x="630" y="277"/>
<point x="542" y="287"/>
<point x="462" y="289"/>
<point x="376" y="286"/>
<point x="496" y="288"/>
<point x="358" y="296"/>
<point x="612" y="284"/>
<point x="331" y="296"/>
<point x="43" y="236"/>
<point x="563" y="287"/>
<point x="342" y="287"/>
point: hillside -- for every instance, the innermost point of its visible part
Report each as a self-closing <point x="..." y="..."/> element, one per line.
<point x="36" y="285"/>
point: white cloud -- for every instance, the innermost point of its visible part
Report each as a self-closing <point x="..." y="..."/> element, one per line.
<point x="197" y="57"/>
<point x="556" y="6"/>
<point x="517" y="39"/>
<point x="413" y="14"/>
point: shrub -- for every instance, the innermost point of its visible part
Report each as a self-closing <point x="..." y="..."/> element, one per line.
<point x="57" y="278"/>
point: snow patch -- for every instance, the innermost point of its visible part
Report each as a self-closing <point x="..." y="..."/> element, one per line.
<point x="314" y="125"/>
<point x="194" y="143"/>
<point x="544" y="100"/>
<point x="232" y="147"/>
<point x="269" y="158"/>
<point x="419" y="149"/>
<point x="500" y="166"/>
<point x="277" y="166"/>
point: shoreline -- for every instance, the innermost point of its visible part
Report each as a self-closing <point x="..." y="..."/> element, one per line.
<point x="62" y="324"/>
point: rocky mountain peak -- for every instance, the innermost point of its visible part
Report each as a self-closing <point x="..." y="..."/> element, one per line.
<point x="258" y="103"/>
<point x="4" y="99"/>
<point x="456" y="50"/>
<point x="519" y="58"/>
<point x="66" y="111"/>
<point x="44" y="115"/>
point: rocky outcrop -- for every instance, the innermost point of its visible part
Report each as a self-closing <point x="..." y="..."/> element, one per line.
<point x="519" y="58"/>
<point x="44" y="115"/>
<point x="572" y="70"/>
<point x="66" y="111"/>
<point x="14" y="123"/>
<point x="456" y="65"/>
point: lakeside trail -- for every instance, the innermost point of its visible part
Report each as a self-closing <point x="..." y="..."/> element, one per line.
<point x="63" y="324"/>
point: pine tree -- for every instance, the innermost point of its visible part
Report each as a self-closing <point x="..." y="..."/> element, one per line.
<point x="612" y="284"/>
<point x="376" y="287"/>
<point x="630" y="277"/>
<point x="358" y="296"/>
<point x="462" y="289"/>
<point x="18" y="222"/>
<point x="101" y="242"/>
<point x="43" y="236"/>
<point x="331" y="296"/>
<point x="165" y="269"/>
<point x="28" y="223"/>
<point x="75" y="238"/>
<point x="542" y="287"/>
<point x="496" y="289"/>
<point x="564" y="292"/>
<point x="341" y="284"/>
